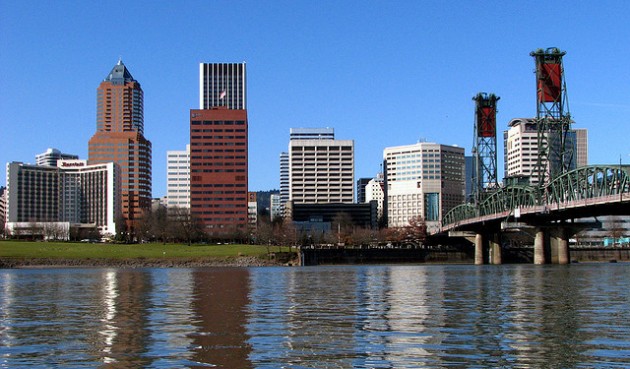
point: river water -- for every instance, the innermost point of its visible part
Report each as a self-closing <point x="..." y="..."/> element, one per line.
<point x="426" y="316"/>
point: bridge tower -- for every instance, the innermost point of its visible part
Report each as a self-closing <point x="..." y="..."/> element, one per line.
<point x="484" y="176"/>
<point x="553" y="120"/>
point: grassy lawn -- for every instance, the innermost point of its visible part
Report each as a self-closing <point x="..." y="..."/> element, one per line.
<point x="69" y="250"/>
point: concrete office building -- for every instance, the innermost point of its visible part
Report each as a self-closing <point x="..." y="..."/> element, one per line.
<point x="218" y="150"/>
<point x="178" y="178"/>
<point x="422" y="180"/>
<point x="50" y="157"/>
<point x="321" y="171"/>
<point x="119" y="138"/>
<point x="520" y="143"/>
<point x="298" y="134"/>
<point x="71" y="192"/>
<point x="375" y="191"/>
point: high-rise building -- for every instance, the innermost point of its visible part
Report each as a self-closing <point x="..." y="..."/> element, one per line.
<point x="178" y="178"/>
<point x="423" y="180"/>
<point x="218" y="150"/>
<point x="321" y="170"/>
<point x="51" y="156"/>
<point x="298" y="134"/>
<point x="520" y="143"/>
<point x="119" y="138"/>
<point x="71" y="192"/>
<point x="580" y="155"/>
<point x="222" y="84"/>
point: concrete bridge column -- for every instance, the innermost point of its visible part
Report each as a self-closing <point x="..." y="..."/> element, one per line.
<point x="478" y="249"/>
<point x="539" y="247"/>
<point x="495" y="250"/>
<point x="560" y="247"/>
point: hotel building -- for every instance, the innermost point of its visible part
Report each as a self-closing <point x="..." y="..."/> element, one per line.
<point x="119" y="138"/>
<point x="71" y="192"/>
<point x="422" y="180"/>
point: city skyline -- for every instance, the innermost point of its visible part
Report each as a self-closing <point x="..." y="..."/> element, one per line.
<point x="380" y="75"/>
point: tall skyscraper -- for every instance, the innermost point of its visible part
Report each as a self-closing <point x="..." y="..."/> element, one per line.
<point x="218" y="150"/>
<point x="119" y="138"/>
<point x="422" y="180"/>
<point x="222" y="84"/>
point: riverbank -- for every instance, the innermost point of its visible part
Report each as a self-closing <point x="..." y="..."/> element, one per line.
<point x="22" y="254"/>
<point x="243" y="261"/>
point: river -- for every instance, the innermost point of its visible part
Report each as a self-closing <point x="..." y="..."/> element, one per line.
<point x="417" y="316"/>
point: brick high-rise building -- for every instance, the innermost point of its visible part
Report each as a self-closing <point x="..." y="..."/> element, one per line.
<point x="119" y="138"/>
<point x="218" y="150"/>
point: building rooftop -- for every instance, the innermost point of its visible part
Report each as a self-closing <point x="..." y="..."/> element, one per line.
<point x="119" y="74"/>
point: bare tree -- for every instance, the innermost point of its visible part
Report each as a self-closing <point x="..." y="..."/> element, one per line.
<point x="185" y="225"/>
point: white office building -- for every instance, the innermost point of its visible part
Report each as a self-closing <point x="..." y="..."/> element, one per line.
<point x="521" y="149"/>
<point x="321" y="170"/>
<point x="375" y="191"/>
<point x="178" y="178"/>
<point x="422" y="180"/>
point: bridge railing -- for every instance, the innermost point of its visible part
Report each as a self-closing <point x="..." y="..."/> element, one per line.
<point x="586" y="182"/>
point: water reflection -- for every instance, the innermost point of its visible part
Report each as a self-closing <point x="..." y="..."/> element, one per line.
<point x="220" y="300"/>
<point x="325" y="317"/>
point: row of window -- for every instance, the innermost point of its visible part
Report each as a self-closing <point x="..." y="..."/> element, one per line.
<point x="219" y="130"/>
<point x="217" y="123"/>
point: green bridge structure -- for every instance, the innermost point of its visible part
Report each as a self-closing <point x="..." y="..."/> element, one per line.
<point x="551" y="213"/>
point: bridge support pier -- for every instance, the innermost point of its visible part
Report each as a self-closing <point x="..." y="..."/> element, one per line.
<point x="495" y="249"/>
<point x="539" y="247"/>
<point x="559" y="246"/>
<point x="478" y="249"/>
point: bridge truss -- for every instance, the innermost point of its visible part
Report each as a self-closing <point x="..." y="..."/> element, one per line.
<point x="584" y="183"/>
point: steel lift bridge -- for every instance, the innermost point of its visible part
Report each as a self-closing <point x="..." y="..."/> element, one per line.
<point x="560" y="194"/>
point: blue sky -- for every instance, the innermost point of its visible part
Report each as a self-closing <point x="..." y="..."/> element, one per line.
<point x="383" y="73"/>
